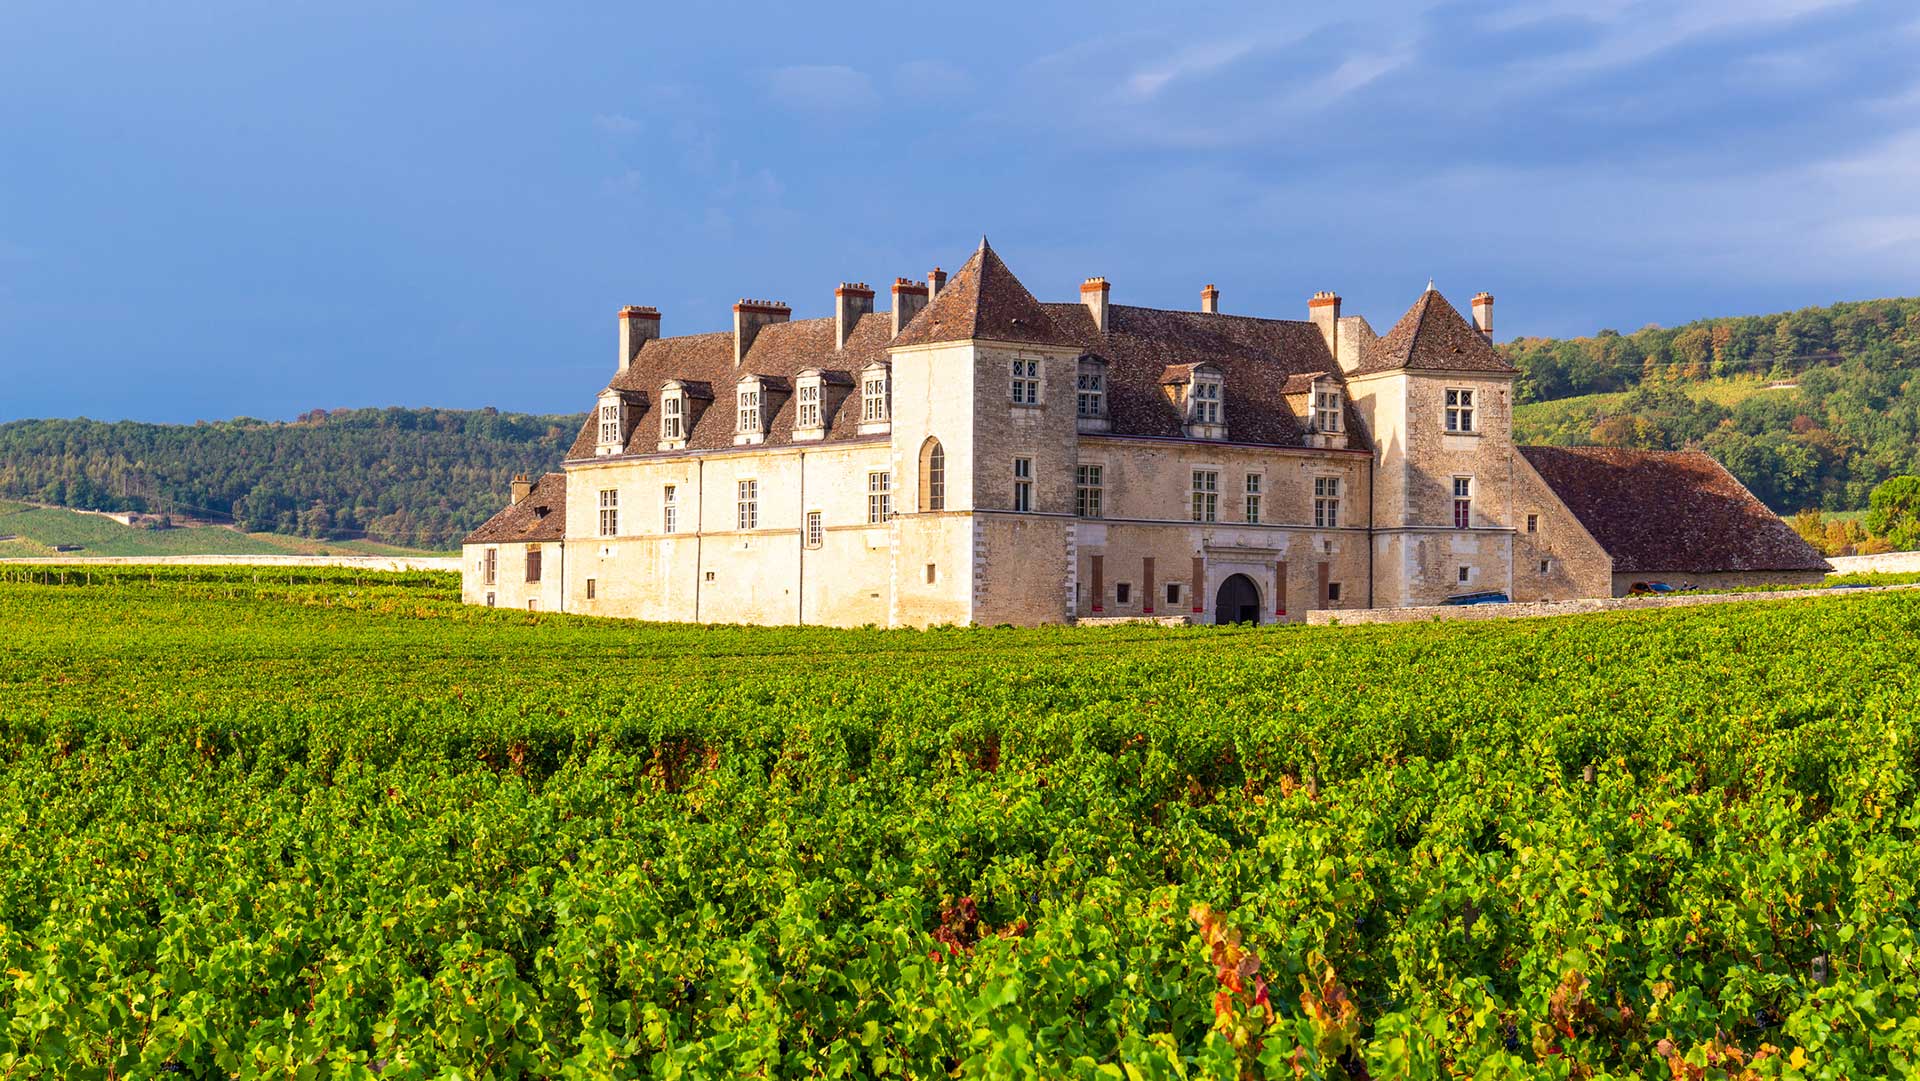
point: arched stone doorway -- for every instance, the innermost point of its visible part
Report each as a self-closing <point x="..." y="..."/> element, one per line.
<point x="1238" y="601"/>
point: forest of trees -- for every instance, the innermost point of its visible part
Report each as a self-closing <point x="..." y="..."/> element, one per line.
<point x="414" y="477"/>
<point x="1845" y="417"/>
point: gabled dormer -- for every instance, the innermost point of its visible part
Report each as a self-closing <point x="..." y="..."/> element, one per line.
<point x="615" y="414"/>
<point x="817" y="394"/>
<point x="681" y="403"/>
<point x="1199" y="392"/>
<point x="1090" y="395"/>
<point x="1318" y="402"/>
<point x="756" y="399"/>
<point x="876" y="399"/>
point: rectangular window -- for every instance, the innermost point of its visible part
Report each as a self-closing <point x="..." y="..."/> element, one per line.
<point x="1326" y="502"/>
<point x="493" y="565"/>
<point x="1206" y="495"/>
<point x="809" y="405"/>
<point x="489" y="600"/>
<point x="1546" y="566"/>
<point x="1462" y="502"/>
<point x="873" y="397"/>
<point x="747" y="505"/>
<point x="533" y="563"/>
<point x="1333" y="592"/>
<point x="1464" y="574"/>
<point x="533" y="604"/>
<point x="1533" y="523"/>
<point x="879" y="497"/>
<point x="816" y="529"/>
<point x="1206" y="401"/>
<point x="669" y="510"/>
<point x="610" y="422"/>
<point x="1173" y="593"/>
<point x="1087" y="491"/>
<point x="1459" y="410"/>
<point x="749" y="411"/>
<point x="1122" y="592"/>
<point x="1253" y="498"/>
<point x="1090" y="394"/>
<point x="1023" y="484"/>
<point x="592" y="589"/>
<point x="1326" y="411"/>
<point x="672" y="414"/>
<point x="933" y="572"/>
<point x="609" y="512"/>
<point x="1025" y="384"/>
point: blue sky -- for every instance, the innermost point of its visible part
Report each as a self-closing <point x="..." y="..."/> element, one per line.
<point x="215" y="209"/>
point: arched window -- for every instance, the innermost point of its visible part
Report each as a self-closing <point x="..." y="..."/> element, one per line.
<point x="933" y="476"/>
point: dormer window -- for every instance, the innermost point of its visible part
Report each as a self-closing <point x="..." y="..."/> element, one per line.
<point x="676" y="415"/>
<point x="750" y="424"/>
<point x="612" y="425"/>
<point x="1327" y="411"/>
<point x="809" y="416"/>
<point x="876" y="399"/>
<point x="1090" y="395"/>
<point x="1199" y="392"/>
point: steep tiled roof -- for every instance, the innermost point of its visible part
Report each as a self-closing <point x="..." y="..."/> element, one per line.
<point x="542" y="516"/>
<point x="1257" y="356"/>
<point x="1670" y="511"/>
<point x="1432" y="336"/>
<point x="780" y="352"/>
<point x="985" y="301"/>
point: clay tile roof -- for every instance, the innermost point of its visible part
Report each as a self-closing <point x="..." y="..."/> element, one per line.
<point x="983" y="301"/>
<point x="780" y="352"/>
<point x="1670" y="511"/>
<point x="542" y="516"/>
<point x="1257" y="357"/>
<point x="1435" y="337"/>
<point x="1303" y="383"/>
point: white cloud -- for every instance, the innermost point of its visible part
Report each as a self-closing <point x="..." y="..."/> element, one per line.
<point x="616" y="123"/>
<point x="820" y="86"/>
<point x="931" y="76"/>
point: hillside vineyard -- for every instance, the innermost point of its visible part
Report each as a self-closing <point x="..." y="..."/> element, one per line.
<point x="369" y="831"/>
<point x="977" y="456"/>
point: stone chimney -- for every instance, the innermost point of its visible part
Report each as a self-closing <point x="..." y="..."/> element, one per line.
<point x="909" y="297"/>
<point x="1093" y="293"/>
<point x="522" y="487"/>
<point x="1324" y="312"/>
<point x="636" y="326"/>
<point x="850" y="301"/>
<point x="1210" y="300"/>
<point x="748" y="317"/>
<point x="1483" y="314"/>
<point x="936" y="281"/>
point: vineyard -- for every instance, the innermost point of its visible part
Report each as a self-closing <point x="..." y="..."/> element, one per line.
<point x="320" y="825"/>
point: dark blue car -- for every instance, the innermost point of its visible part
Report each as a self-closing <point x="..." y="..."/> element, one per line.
<point x="1490" y="596"/>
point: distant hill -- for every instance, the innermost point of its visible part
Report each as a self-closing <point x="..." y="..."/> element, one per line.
<point x="1810" y="409"/>
<point x="49" y="531"/>
<point x="415" y="478"/>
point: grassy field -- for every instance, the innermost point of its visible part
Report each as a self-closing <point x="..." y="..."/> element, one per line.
<point x="37" y="530"/>
<point x="346" y="827"/>
<point x="1533" y="418"/>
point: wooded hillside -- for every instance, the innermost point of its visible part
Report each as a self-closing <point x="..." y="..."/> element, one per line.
<point x="415" y="477"/>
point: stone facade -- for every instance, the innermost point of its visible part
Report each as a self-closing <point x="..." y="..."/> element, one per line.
<point x="976" y="456"/>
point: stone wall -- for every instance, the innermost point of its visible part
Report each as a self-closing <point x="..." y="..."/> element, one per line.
<point x="1433" y="613"/>
<point x="1885" y="563"/>
<point x="510" y="588"/>
<point x="365" y="563"/>
<point x="1576" y="564"/>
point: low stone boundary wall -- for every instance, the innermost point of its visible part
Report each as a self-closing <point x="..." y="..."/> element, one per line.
<point x="1885" y="563"/>
<point x="1121" y="621"/>
<point x="1570" y="608"/>
<point x="365" y="563"/>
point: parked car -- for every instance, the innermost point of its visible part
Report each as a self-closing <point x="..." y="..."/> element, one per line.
<point x="1648" y="589"/>
<point x="1485" y="597"/>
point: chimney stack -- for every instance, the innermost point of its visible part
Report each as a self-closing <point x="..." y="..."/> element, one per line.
<point x="748" y="317"/>
<point x="1324" y="312"/>
<point x="1093" y="293"/>
<point x="522" y="487"/>
<point x="636" y="326"/>
<point x="1483" y="314"/>
<point x="936" y="281"/>
<point x="1210" y="300"/>
<point x="850" y="301"/>
<point x="909" y="297"/>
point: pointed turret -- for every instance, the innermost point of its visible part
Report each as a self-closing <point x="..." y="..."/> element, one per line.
<point x="984" y="301"/>
<point x="1433" y="336"/>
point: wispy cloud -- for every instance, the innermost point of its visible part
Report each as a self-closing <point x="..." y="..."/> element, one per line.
<point x="616" y="123"/>
<point x="820" y="86"/>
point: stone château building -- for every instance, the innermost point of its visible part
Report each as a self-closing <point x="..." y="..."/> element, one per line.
<point x="976" y="456"/>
